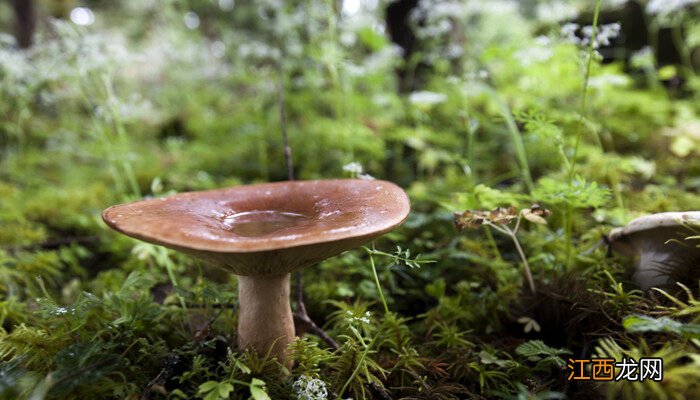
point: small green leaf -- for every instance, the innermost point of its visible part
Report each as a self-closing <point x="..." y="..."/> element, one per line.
<point x="213" y="395"/>
<point x="643" y="323"/>
<point x="258" y="392"/>
<point x="257" y="382"/>
<point x="225" y="390"/>
<point x="244" y="368"/>
<point x="207" y="387"/>
<point x="538" y="348"/>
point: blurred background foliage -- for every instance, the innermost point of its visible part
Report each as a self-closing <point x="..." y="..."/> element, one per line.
<point x="466" y="104"/>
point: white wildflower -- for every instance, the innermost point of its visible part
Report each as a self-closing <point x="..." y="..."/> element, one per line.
<point x="643" y="58"/>
<point x="362" y="320"/>
<point x="356" y="171"/>
<point x="258" y="51"/>
<point x="191" y="20"/>
<point x="226" y="5"/>
<point x="381" y="100"/>
<point x="603" y="37"/>
<point x="609" y="80"/>
<point x="383" y="59"/>
<point x="454" y="51"/>
<point x="568" y="33"/>
<point x="539" y="53"/>
<point x="666" y="7"/>
<point x="351" y="7"/>
<point x="218" y="49"/>
<point x="308" y="388"/>
<point x="82" y="16"/>
<point x="353" y="167"/>
<point x="426" y="98"/>
<point x="553" y="12"/>
<point x="480" y="75"/>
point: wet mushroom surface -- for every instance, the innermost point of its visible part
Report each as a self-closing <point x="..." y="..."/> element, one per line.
<point x="263" y="233"/>
<point x="266" y="228"/>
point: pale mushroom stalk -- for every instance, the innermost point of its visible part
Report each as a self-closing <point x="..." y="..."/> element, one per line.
<point x="265" y="316"/>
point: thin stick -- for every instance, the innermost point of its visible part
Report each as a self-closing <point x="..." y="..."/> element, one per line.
<point x="584" y="93"/>
<point x="526" y="265"/>
<point x="283" y="123"/>
<point x="300" y="314"/>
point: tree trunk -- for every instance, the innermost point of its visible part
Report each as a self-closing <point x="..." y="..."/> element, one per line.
<point x="25" y="21"/>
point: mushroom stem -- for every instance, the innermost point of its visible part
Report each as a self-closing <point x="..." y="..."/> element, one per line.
<point x="265" y="321"/>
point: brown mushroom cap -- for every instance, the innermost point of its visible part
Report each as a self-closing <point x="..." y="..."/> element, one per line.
<point x="266" y="229"/>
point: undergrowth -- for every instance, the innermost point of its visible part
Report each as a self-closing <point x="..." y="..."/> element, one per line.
<point x="527" y="128"/>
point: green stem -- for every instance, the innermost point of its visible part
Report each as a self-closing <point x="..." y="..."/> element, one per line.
<point x="584" y="91"/>
<point x="579" y="131"/>
<point x="170" y="268"/>
<point x="526" y="265"/>
<point x="569" y="223"/>
<point x="683" y="50"/>
<point x="517" y="139"/>
<point x="360" y="361"/>
<point x="493" y="244"/>
<point x="471" y="142"/>
<point x="376" y="281"/>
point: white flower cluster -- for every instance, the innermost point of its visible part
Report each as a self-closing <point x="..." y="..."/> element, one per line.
<point x="553" y="12"/>
<point x="68" y="56"/>
<point x="609" y="80"/>
<point x="363" y="320"/>
<point x="643" y="58"/>
<point x="667" y="7"/>
<point x="132" y="108"/>
<point x="539" y="53"/>
<point x="604" y="34"/>
<point x="376" y="62"/>
<point x="474" y="76"/>
<point x="433" y="17"/>
<point x="356" y="170"/>
<point x="426" y="99"/>
<point x="308" y="388"/>
<point x="258" y="51"/>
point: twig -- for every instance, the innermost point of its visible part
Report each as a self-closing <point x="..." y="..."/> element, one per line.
<point x="595" y="247"/>
<point x="526" y="265"/>
<point x="283" y="123"/>
<point x="300" y="315"/>
<point x="381" y="391"/>
<point x="202" y="331"/>
<point x="521" y="253"/>
<point x="75" y="373"/>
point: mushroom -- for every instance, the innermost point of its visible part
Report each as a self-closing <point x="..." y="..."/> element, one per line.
<point x="658" y="240"/>
<point x="264" y="232"/>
